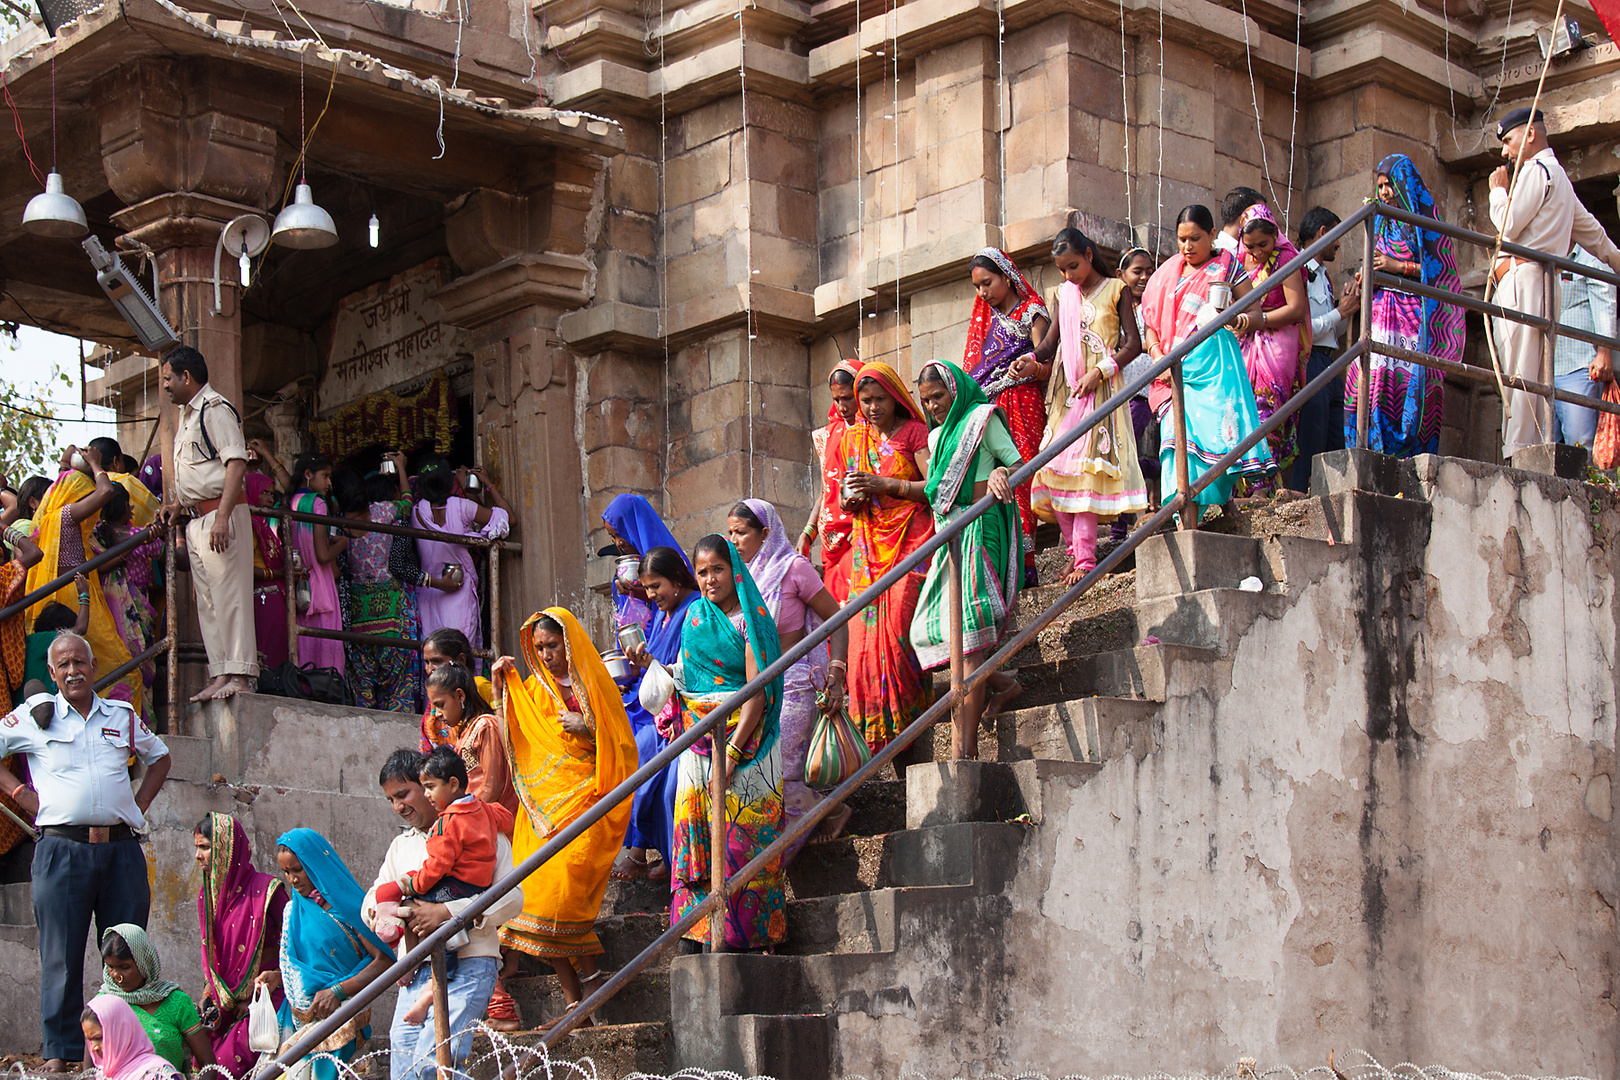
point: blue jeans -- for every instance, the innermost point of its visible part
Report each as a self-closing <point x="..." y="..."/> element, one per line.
<point x="72" y="883"/>
<point x="1577" y="426"/>
<point x="411" y="1046"/>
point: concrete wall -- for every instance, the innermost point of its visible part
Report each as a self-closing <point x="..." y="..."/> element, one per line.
<point x="287" y="764"/>
<point x="1384" y="821"/>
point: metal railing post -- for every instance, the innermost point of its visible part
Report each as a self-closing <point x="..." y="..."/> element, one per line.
<point x="495" y="598"/>
<point x="171" y="614"/>
<point x="441" y="1016"/>
<point x="719" y="756"/>
<point x="290" y="584"/>
<point x="1178" y="413"/>
<point x="1364" y="366"/>
<point x="1549" y="343"/>
<point x="962" y="740"/>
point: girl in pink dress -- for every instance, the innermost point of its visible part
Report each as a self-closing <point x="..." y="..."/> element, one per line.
<point x="319" y="550"/>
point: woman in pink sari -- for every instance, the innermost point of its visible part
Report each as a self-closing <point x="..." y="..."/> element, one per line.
<point x="269" y="584"/>
<point x="118" y="1044"/>
<point x="319" y="550"/>
<point x="445" y="598"/>
<point x="1277" y="338"/>
<point x="239" y="913"/>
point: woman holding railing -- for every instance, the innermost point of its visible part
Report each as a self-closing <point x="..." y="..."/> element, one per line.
<point x="1278" y="340"/>
<point x="1405" y="401"/>
<point x="319" y="549"/>
<point x="886" y="461"/>
<point x="570" y="745"/>
<point x="1218" y="400"/>
<point x="729" y="638"/>
<point x="127" y="581"/>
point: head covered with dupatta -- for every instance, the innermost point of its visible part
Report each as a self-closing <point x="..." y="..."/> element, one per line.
<point x="889" y="379"/>
<point x="714" y="653"/>
<point x="1442" y="324"/>
<point x="634" y="519"/>
<point x="558" y="776"/>
<point x="233" y="909"/>
<point x="156" y="988"/>
<point x="853" y="368"/>
<point x="126" y="1050"/>
<point x="1283" y="250"/>
<point x="960" y="434"/>
<point x="1029" y="305"/>
<point x="319" y="945"/>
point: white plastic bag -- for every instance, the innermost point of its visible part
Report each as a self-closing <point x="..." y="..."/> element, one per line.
<point x="264" y="1030"/>
<point x="656" y="687"/>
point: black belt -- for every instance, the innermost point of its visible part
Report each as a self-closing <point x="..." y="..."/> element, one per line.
<point x="91" y="834"/>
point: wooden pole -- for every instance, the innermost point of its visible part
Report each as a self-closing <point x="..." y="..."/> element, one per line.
<point x="1364" y="364"/>
<point x="441" y="1016"/>
<point x="1178" y="413"/>
<point x="717" y="834"/>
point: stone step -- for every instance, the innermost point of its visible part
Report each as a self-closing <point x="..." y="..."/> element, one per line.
<point x="857" y="922"/>
<point x="1342" y="471"/>
<point x="1095" y="729"/>
<point x="748" y="1014"/>
<point x="17" y="904"/>
<point x="1209" y="618"/>
<point x="641" y="896"/>
<point x="615" y="1051"/>
<point x="191" y="758"/>
<point x="1172" y="563"/>
<point x="981" y="854"/>
<point x="644" y="999"/>
<point x="877" y="807"/>
<point x="623" y="938"/>
<point x="1146" y="671"/>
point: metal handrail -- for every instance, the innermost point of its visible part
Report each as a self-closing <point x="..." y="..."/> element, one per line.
<point x="460" y="539"/>
<point x="1187" y="490"/>
<point x="1429" y="224"/>
<point x="317" y="1033"/>
<point x="112" y="554"/>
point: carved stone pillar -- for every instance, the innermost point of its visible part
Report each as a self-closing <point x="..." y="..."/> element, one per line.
<point x="522" y="277"/>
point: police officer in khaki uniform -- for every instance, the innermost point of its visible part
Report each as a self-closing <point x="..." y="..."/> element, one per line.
<point x="210" y="461"/>
<point x="1542" y="213"/>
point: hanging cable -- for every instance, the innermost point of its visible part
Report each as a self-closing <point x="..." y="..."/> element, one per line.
<point x="860" y="191"/>
<point x="1125" y="105"/>
<point x="1254" y="96"/>
<point x="1293" y="126"/>
<point x="1003" y="121"/>
<point x="748" y="239"/>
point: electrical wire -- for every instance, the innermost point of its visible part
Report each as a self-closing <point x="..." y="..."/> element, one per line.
<point x="16" y="120"/>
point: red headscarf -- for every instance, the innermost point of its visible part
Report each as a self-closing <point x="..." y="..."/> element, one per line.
<point x="833" y="522"/>
<point x="269" y="545"/>
<point x="1029" y="302"/>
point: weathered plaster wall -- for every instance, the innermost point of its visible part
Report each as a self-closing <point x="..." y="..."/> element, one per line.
<point x="1384" y="821"/>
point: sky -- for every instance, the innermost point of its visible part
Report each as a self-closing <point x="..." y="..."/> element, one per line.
<point x="28" y="363"/>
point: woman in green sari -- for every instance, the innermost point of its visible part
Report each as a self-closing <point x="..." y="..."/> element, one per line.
<point x="970" y="452"/>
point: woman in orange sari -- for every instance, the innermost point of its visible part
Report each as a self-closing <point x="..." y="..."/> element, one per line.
<point x="886" y="462"/>
<point x="67" y="514"/>
<point x="569" y="743"/>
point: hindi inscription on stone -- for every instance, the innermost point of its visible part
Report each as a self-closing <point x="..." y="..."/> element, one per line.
<point x="388" y="334"/>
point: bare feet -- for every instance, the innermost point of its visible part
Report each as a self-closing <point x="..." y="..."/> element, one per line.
<point x="211" y="691"/>
<point x="833" y="826"/>
<point x="57" y="1065"/>
<point x="1075" y="576"/>
<point x="503" y="1025"/>
<point x="628" y="866"/>
<point x="418" y="1012"/>
<point x="1000" y="698"/>
<point x="236" y="684"/>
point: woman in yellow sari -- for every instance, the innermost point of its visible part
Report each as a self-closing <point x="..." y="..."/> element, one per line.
<point x="569" y="743"/>
<point x="70" y="510"/>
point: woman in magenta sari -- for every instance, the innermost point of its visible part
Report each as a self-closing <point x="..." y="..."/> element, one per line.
<point x="239" y="914"/>
<point x="269" y="589"/>
<point x="1276" y="337"/>
<point x="1008" y="321"/>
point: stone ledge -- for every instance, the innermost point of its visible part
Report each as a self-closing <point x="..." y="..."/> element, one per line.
<point x="611" y="325"/>
<point x="1395" y="63"/>
<point x="687" y="83"/>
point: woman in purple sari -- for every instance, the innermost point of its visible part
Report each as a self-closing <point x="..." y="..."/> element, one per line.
<point x="239" y="913"/>
<point x="451" y="599"/>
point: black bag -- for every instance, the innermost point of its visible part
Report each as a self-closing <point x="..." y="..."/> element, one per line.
<point x="309" y="683"/>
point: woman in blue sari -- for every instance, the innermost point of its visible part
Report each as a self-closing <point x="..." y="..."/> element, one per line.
<point x="327" y="953"/>
<point x="729" y="637"/>
<point x="672" y="588"/>
<point x="636" y="529"/>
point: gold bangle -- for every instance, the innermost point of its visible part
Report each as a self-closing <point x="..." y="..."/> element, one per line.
<point x="733" y="753"/>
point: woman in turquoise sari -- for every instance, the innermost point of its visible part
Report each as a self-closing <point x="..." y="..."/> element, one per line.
<point x="1217" y="394"/>
<point x="327" y="954"/>
<point x="970" y="452"/>
<point x="729" y="638"/>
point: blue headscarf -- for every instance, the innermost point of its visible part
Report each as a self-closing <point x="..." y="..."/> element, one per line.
<point x="1442" y="324"/>
<point x="322" y="946"/>
<point x="634" y="519"/>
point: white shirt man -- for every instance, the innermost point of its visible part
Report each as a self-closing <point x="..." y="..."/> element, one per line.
<point x="411" y="1046"/>
<point x="89" y="863"/>
<point x="1543" y="213"/>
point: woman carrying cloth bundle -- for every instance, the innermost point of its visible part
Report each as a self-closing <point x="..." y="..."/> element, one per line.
<point x="730" y="637"/>
<point x="570" y="744"/>
<point x="239" y="911"/>
<point x="970" y="452"/>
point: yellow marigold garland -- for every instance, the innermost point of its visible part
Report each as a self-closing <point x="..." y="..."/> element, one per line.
<point x="401" y="422"/>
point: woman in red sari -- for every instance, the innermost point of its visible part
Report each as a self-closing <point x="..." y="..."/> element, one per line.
<point x="828" y="520"/>
<point x="885" y="466"/>
<point x="1009" y="320"/>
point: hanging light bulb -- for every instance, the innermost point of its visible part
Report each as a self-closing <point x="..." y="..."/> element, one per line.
<point x="54" y="213"/>
<point x="302" y="224"/>
<point x="374" y="229"/>
<point x="244" y="266"/>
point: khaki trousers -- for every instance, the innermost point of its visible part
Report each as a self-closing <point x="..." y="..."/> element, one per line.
<point x="223" y="584"/>
<point x="1527" y="419"/>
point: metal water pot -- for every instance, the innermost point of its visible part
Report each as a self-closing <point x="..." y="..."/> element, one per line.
<point x="627" y="571"/>
<point x="631" y="638"/>
<point x="618" y="667"/>
<point x="1220" y="296"/>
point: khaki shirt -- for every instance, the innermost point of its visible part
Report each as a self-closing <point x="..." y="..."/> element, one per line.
<point x="1545" y="214"/>
<point x="197" y="477"/>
